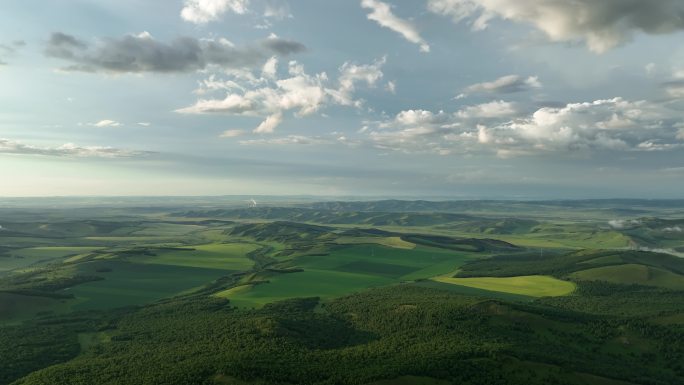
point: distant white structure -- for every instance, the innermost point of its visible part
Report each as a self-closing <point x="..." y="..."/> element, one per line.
<point x="252" y="203"/>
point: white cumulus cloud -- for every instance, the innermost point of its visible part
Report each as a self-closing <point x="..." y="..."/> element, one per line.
<point x="269" y="125"/>
<point x="495" y="109"/>
<point x="269" y="97"/>
<point x="204" y="11"/>
<point x="382" y="14"/>
<point x="503" y="128"/>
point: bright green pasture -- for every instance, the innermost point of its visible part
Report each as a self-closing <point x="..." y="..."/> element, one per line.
<point x="136" y="283"/>
<point x="348" y="269"/>
<point x="531" y="285"/>
<point x="227" y="256"/>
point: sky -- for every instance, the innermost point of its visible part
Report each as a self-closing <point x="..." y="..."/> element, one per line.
<point x="462" y="99"/>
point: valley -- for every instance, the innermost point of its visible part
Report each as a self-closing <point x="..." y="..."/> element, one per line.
<point x="337" y="283"/>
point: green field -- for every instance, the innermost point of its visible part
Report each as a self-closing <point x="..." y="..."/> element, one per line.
<point x="549" y="235"/>
<point x="227" y="256"/>
<point x="219" y="295"/>
<point x="165" y="229"/>
<point x="15" y="308"/>
<point x="533" y="285"/>
<point x="136" y="283"/>
<point x="395" y="242"/>
<point x="347" y="269"/>
<point x="472" y="291"/>
<point x="26" y="257"/>
<point x="309" y="283"/>
<point x="633" y="273"/>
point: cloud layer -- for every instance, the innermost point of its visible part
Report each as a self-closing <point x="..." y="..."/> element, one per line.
<point x="601" y="25"/>
<point x="602" y="125"/>
<point x="143" y="53"/>
<point x="67" y="150"/>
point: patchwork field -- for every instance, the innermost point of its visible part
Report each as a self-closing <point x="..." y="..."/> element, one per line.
<point x="533" y="286"/>
<point x="348" y="269"/>
<point x="515" y="293"/>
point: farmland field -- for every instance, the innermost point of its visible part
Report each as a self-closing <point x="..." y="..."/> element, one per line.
<point x="349" y="269"/>
<point x="533" y="286"/>
<point x="231" y="256"/>
<point x="127" y="283"/>
<point x="313" y="295"/>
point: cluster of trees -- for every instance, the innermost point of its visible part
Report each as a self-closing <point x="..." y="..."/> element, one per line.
<point x="560" y="265"/>
<point x="378" y="334"/>
<point x="24" y="349"/>
<point x="604" y="298"/>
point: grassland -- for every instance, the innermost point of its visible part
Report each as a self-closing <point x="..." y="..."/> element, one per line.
<point x="633" y="274"/>
<point x="472" y="291"/>
<point x="326" y="284"/>
<point x="533" y="286"/>
<point x="226" y="256"/>
<point x="395" y="242"/>
<point x="156" y="258"/>
<point x="27" y="257"/>
<point x="347" y="269"/>
<point x="435" y="297"/>
<point x="127" y="283"/>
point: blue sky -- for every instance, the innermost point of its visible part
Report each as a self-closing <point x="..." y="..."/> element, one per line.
<point x="451" y="98"/>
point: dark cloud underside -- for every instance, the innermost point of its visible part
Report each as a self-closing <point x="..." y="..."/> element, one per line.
<point x="142" y="53"/>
